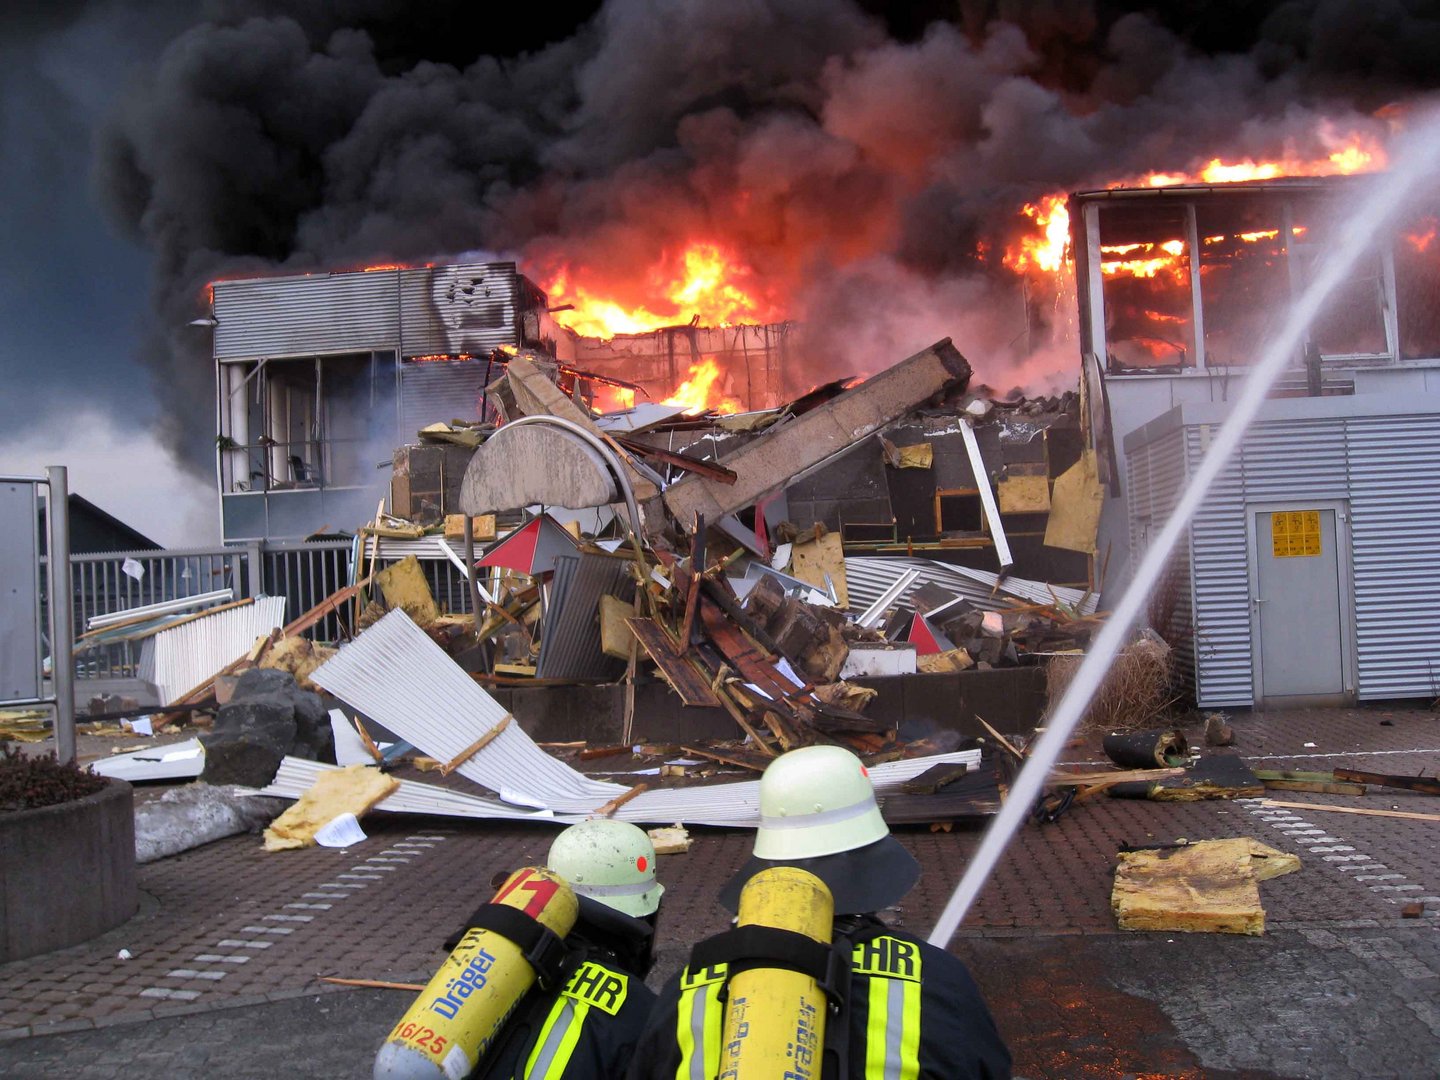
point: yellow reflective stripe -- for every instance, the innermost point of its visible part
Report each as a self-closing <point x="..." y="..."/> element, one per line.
<point x="558" y="1037"/>
<point x="892" y="1023"/>
<point x="877" y="1012"/>
<point x="698" y="1017"/>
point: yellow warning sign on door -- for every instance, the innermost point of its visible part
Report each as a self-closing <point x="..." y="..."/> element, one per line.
<point x="1295" y="532"/>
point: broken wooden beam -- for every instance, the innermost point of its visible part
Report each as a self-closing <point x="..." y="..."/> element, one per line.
<point x="693" y="688"/>
<point x="935" y="778"/>
<point x="787" y="449"/>
<point x="1321" y="783"/>
<point x="1426" y="785"/>
<point x="738" y="758"/>
<point x="475" y="747"/>
<point x="620" y="800"/>
<point x="1366" y="811"/>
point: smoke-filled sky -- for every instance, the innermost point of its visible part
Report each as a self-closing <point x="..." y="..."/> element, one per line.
<point x="867" y="167"/>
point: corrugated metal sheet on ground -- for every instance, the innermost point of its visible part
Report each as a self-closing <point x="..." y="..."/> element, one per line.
<point x="570" y="642"/>
<point x="867" y="578"/>
<point x="433" y="548"/>
<point x="297" y="775"/>
<point x="395" y="674"/>
<point x="187" y="655"/>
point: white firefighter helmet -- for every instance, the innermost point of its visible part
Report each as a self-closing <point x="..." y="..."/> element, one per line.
<point x="818" y="813"/>
<point x="612" y="862"/>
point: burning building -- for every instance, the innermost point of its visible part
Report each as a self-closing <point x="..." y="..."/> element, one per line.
<point x="320" y="376"/>
<point x="1288" y="585"/>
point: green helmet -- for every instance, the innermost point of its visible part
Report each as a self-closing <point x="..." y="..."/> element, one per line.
<point x="612" y="862"/>
<point x="818" y="813"/>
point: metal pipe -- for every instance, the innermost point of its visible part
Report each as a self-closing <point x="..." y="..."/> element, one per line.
<point x="62" y="615"/>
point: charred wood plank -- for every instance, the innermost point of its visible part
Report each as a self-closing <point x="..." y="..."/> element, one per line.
<point x="1426" y="785"/>
<point x="692" y="687"/>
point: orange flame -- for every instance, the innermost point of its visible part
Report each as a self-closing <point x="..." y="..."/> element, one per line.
<point x="1046" y="251"/>
<point x="1420" y="241"/>
<point x="1045" y="246"/>
<point x="699" y="394"/>
<point x="704" y="282"/>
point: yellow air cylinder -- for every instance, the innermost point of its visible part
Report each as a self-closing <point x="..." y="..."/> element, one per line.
<point x="775" y="1018"/>
<point x="461" y="1010"/>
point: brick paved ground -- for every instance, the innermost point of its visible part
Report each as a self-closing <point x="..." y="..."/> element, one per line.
<point x="229" y="942"/>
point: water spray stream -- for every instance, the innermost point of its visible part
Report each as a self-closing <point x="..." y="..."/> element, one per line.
<point x="1418" y="157"/>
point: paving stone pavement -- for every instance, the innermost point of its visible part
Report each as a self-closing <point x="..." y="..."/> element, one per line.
<point x="230" y="940"/>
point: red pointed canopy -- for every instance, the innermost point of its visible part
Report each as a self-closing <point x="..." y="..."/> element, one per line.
<point x="531" y="549"/>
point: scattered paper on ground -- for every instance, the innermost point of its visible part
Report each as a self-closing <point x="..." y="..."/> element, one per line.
<point x="1208" y="886"/>
<point x="344" y="831"/>
<point x="353" y="789"/>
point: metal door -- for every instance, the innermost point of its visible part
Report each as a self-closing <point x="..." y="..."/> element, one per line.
<point x="1300" y="631"/>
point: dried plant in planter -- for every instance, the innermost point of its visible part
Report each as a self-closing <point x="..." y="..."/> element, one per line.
<point x="1137" y="688"/>
<point x="30" y="782"/>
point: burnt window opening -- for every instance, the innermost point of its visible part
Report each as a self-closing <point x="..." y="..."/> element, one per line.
<point x="1352" y="320"/>
<point x="1244" y="276"/>
<point x="304" y="423"/>
<point x="1256" y="250"/>
<point x="958" y="510"/>
<point x="1146" y="288"/>
<point x="1417" y="283"/>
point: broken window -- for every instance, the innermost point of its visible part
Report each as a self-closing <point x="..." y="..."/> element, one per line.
<point x="1145" y="274"/>
<point x="305" y="423"/>
<point x="1352" y="320"/>
<point x="1244" y="276"/>
<point x="1417" y="284"/>
<point x="958" y="510"/>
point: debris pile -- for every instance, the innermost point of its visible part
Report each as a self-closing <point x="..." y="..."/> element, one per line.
<point x="722" y="556"/>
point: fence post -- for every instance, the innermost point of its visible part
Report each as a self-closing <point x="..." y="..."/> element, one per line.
<point x="62" y="601"/>
<point x="254" y="560"/>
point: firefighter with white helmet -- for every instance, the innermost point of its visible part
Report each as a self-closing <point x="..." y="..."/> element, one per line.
<point x="586" y="1025"/>
<point x="898" y="1007"/>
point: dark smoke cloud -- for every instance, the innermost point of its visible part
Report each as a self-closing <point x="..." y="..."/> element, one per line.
<point x="870" y="171"/>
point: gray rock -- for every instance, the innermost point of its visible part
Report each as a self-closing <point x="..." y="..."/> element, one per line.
<point x="194" y="814"/>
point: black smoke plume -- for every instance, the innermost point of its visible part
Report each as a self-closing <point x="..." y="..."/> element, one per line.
<point x="869" y="170"/>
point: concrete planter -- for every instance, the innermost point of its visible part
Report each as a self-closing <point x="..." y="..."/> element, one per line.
<point x="67" y="872"/>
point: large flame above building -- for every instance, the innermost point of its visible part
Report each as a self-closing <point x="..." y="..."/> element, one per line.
<point x="1044" y="245"/>
<point x="703" y="282"/>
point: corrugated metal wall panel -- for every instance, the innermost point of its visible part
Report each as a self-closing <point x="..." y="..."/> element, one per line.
<point x="467" y="308"/>
<point x="1387" y="471"/>
<point x="438" y="391"/>
<point x="1221" y="585"/>
<point x="1157" y="474"/>
<point x="312" y="313"/>
<point x="570" y="642"/>
<point x="1394" y="517"/>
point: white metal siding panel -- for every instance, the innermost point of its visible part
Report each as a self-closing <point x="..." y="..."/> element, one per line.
<point x="1394" y="518"/>
<point x="396" y="674"/>
<point x="1222" y="586"/>
<point x="1157" y="475"/>
<point x="306" y="315"/>
<point x="1280" y="461"/>
<point x="440" y="391"/>
<point x="470" y="308"/>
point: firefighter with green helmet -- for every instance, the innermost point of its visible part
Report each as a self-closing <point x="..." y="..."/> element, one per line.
<point x="898" y="1007"/>
<point x="586" y="1024"/>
